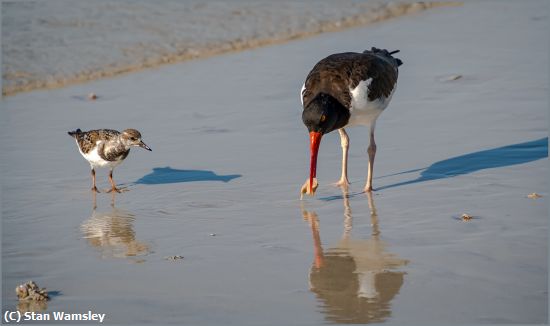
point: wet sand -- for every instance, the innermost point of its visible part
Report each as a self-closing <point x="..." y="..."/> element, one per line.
<point x="221" y="186"/>
<point x="56" y="43"/>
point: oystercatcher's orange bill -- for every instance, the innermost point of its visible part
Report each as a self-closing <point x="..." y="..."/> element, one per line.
<point x="314" y="142"/>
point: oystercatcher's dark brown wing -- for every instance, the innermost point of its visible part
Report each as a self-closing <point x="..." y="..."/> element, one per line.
<point x="338" y="73"/>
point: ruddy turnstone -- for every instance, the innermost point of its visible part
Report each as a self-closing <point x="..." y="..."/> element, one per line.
<point x="343" y="90"/>
<point x="106" y="148"/>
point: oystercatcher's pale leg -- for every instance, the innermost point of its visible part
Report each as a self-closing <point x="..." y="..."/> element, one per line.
<point x="372" y="152"/>
<point x="114" y="188"/>
<point x="344" y="142"/>
<point x="94" y="188"/>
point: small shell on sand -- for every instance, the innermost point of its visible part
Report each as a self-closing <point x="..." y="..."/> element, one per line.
<point x="450" y="78"/>
<point x="92" y="96"/>
<point x="176" y="257"/>
<point x="31" y="291"/>
<point x="534" y="195"/>
<point x="466" y="217"/>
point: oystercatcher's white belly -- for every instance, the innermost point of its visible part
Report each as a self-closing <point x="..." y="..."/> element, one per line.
<point x="363" y="111"/>
<point x="302" y="93"/>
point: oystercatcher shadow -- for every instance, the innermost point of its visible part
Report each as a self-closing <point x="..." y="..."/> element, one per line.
<point x="168" y="175"/>
<point x="492" y="158"/>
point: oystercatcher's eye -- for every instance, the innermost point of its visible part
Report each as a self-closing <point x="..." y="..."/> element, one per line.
<point x="323" y="118"/>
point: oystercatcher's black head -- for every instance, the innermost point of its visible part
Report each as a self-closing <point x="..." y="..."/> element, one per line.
<point x="322" y="115"/>
<point x="386" y="55"/>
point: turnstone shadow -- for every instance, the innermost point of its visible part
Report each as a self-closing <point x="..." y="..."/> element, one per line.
<point x="344" y="90"/>
<point x="106" y="148"/>
<point x="168" y="175"/>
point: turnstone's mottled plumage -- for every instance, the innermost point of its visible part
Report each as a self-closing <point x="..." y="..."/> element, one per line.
<point x="106" y="148"/>
<point x="347" y="89"/>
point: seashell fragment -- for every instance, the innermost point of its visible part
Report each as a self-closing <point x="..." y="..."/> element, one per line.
<point x="466" y="217"/>
<point x="176" y="257"/>
<point x="30" y="291"/>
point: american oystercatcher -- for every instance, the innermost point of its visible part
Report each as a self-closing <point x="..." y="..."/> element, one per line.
<point x="343" y="90"/>
<point x="106" y="148"/>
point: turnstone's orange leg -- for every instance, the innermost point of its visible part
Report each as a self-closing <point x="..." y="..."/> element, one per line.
<point x="113" y="186"/>
<point x="372" y="152"/>
<point x="344" y="142"/>
<point x="94" y="188"/>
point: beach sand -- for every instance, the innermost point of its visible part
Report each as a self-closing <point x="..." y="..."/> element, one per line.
<point x="56" y="43"/>
<point x="221" y="186"/>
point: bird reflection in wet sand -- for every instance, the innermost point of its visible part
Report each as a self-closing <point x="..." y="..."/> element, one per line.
<point x="112" y="233"/>
<point x="355" y="280"/>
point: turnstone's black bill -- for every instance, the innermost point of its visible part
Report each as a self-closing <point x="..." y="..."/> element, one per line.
<point x="346" y="89"/>
<point x="106" y="148"/>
